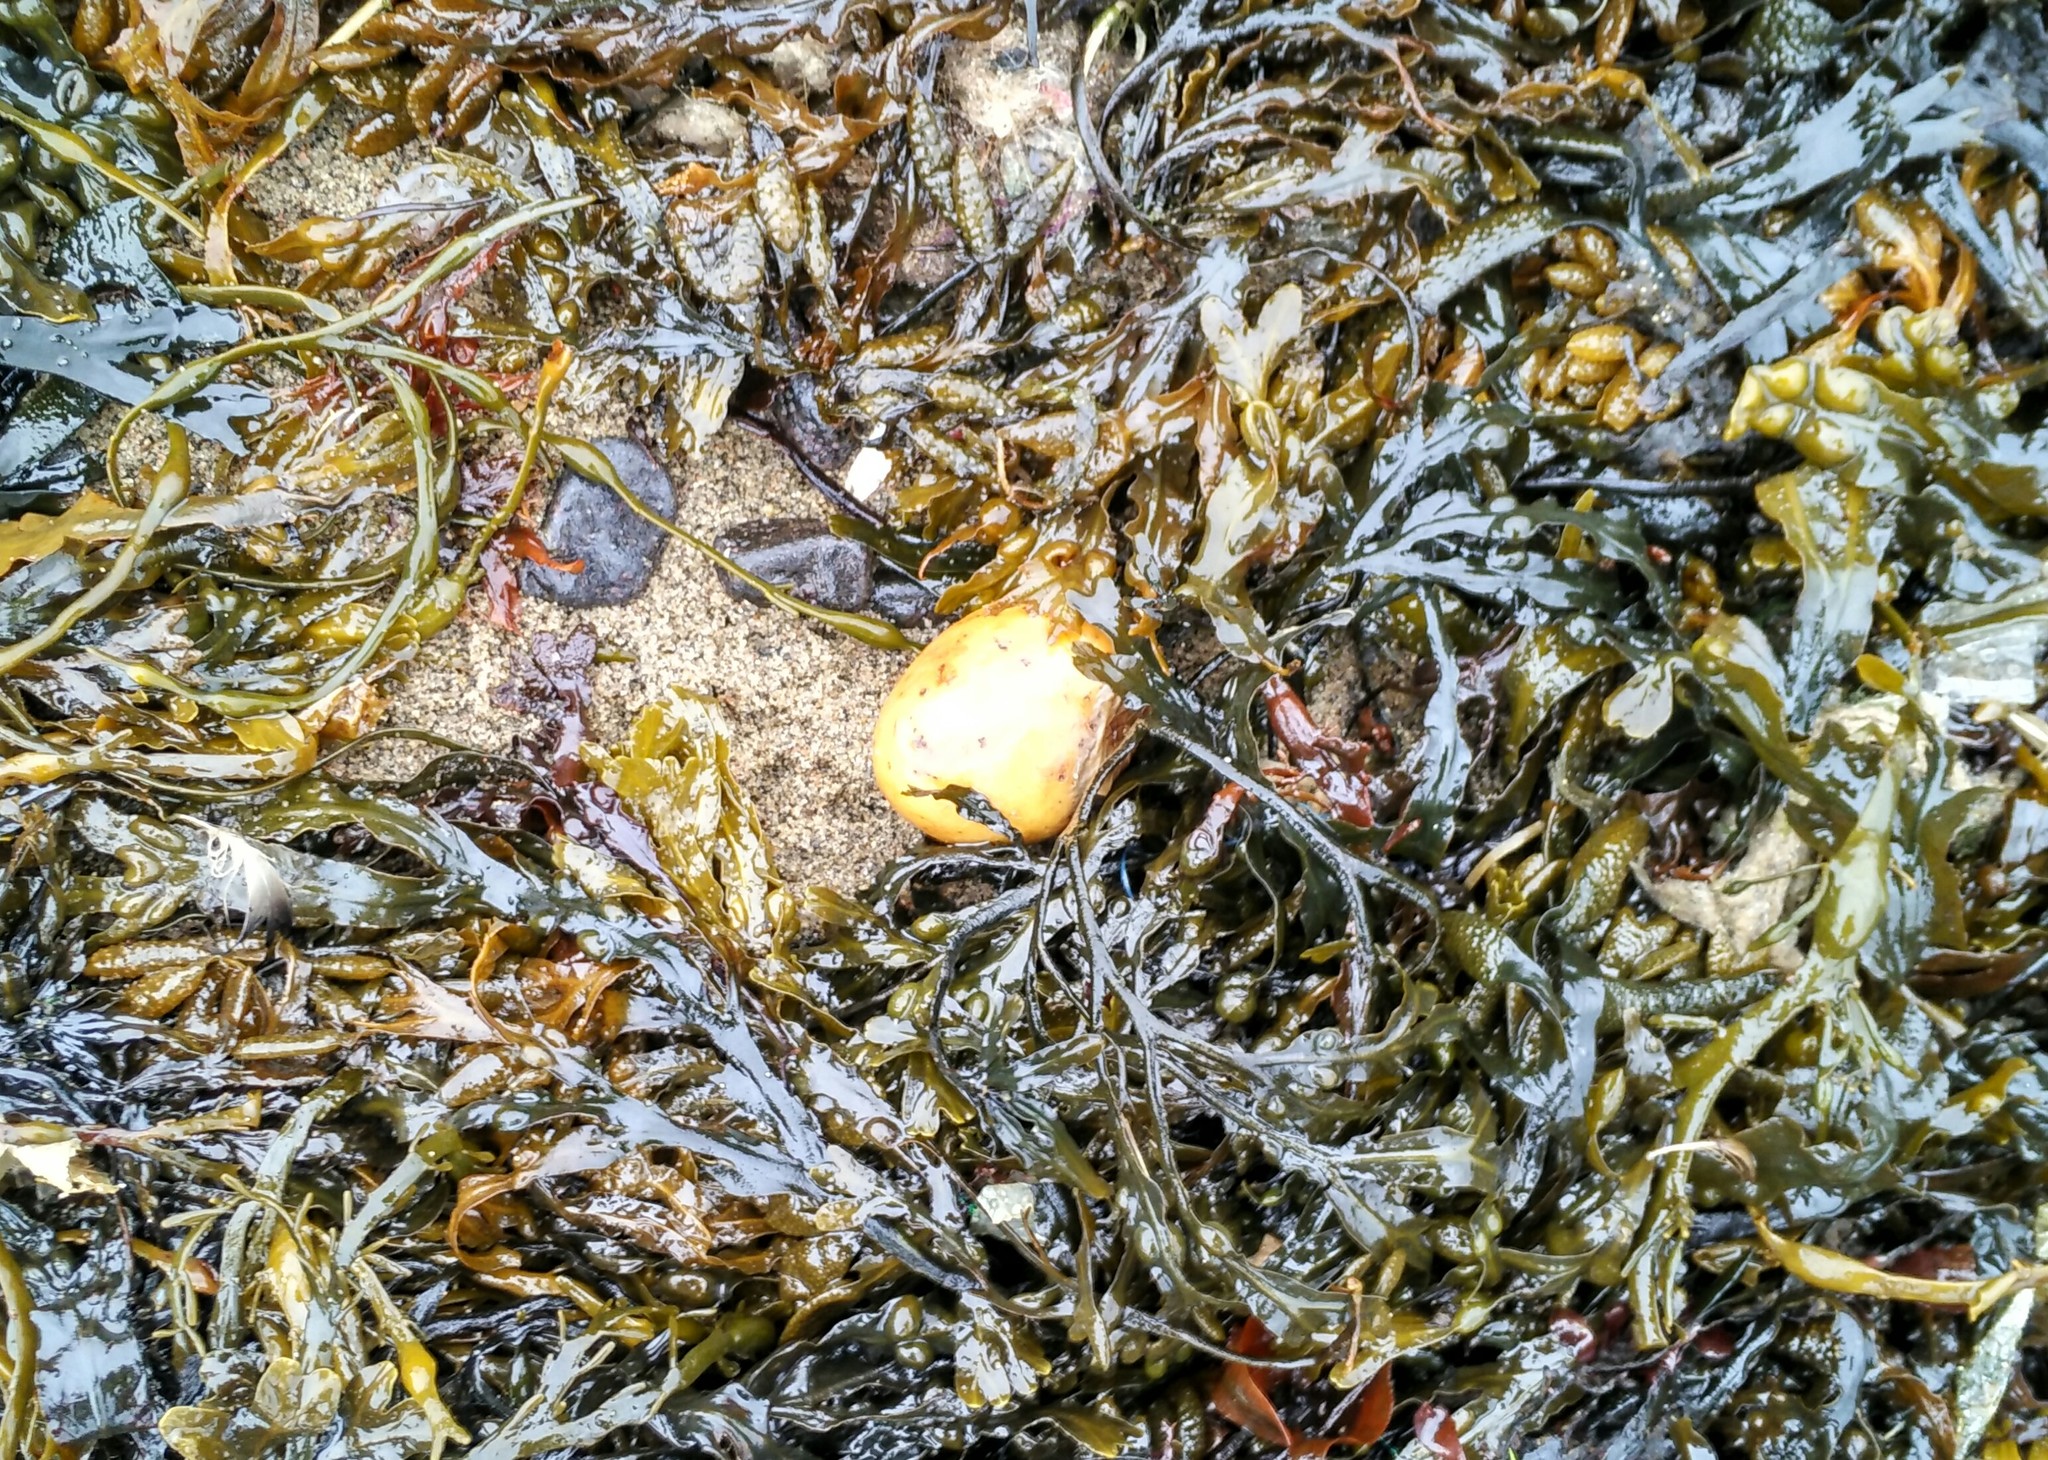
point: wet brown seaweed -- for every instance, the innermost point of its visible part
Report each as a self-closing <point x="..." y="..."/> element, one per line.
<point x="1552" y="967"/>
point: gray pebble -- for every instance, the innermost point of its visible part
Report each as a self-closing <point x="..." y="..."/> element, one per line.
<point x="901" y="599"/>
<point x="586" y="519"/>
<point x="802" y="555"/>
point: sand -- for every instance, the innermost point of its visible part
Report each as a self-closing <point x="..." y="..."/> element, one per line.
<point x="799" y="700"/>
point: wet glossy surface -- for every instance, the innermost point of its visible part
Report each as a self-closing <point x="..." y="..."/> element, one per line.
<point x="587" y="522"/>
<point x="1543" y="955"/>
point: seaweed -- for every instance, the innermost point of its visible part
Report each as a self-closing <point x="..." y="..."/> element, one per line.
<point x="1548" y="963"/>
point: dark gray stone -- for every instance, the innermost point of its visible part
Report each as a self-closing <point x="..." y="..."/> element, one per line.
<point x="801" y="555"/>
<point x="901" y="599"/>
<point x="586" y="519"/>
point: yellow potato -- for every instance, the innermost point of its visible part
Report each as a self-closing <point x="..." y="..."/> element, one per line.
<point x="994" y="704"/>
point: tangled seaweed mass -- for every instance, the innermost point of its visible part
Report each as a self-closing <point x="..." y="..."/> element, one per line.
<point x="1550" y="965"/>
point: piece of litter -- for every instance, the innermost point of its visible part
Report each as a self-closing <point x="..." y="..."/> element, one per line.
<point x="868" y="473"/>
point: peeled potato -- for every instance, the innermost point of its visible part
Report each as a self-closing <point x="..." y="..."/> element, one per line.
<point x="996" y="705"/>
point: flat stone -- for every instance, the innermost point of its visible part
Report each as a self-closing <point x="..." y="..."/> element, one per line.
<point x="586" y="519"/>
<point x="802" y="555"/>
<point x="901" y="599"/>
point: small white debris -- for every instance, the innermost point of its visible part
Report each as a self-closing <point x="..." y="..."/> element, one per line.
<point x="1006" y="1203"/>
<point x="868" y="473"/>
<point x="802" y="63"/>
<point x="700" y="124"/>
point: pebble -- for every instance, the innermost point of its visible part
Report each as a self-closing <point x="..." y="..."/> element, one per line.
<point x="700" y="124"/>
<point x="901" y="599"/>
<point x="803" y="555"/>
<point x="586" y="519"/>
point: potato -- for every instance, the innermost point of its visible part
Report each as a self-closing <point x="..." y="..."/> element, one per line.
<point x="994" y="704"/>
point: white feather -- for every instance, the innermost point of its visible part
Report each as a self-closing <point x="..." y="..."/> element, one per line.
<point x="242" y="878"/>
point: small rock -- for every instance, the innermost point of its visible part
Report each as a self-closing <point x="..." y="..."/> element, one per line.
<point x="802" y="64"/>
<point x="802" y="555"/>
<point x="901" y="599"/>
<point x="700" y="124"/>
<point x="586" y="519"/>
